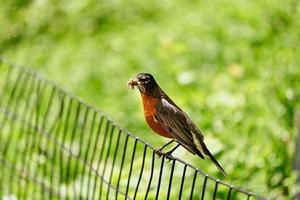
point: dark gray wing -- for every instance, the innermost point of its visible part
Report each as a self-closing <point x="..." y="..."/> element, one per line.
<point x="180" y="126"/>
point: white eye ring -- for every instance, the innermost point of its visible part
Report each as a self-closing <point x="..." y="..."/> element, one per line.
<point x="146" y="79"/>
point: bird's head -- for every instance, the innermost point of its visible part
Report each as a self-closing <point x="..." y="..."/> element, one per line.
<point x="145" y="82"/>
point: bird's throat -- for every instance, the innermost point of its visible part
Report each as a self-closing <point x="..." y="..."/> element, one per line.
<point x="149" y="104"/>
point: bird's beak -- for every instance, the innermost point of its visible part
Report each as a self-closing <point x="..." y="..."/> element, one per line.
<point x="133" y="82"/>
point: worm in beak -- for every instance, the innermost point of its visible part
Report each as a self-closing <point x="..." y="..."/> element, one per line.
<point x="133" y="82"/>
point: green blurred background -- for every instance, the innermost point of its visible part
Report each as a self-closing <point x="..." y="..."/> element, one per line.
<point x="233" y="66"/>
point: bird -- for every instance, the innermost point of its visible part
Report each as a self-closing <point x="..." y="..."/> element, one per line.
<point x="168" y="120"/>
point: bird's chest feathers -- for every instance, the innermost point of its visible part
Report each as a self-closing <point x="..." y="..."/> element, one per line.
<point x="149" y="104"/>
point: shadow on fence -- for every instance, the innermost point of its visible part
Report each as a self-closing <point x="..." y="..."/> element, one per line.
<point x="54" y="146"/>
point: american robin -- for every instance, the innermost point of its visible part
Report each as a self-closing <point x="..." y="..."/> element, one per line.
<point x="168" y="120"/>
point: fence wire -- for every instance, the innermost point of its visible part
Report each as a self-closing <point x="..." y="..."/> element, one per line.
<point x="55" y="146"/>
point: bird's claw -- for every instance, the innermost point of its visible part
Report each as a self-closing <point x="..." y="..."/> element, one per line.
<point x="169" y="156"/>
<point x="159" y="152"/>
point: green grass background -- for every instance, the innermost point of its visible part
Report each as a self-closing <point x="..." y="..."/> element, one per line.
<point x="233" y="66"/>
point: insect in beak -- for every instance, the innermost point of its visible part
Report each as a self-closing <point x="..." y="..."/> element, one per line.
<point x="133" y="82"/>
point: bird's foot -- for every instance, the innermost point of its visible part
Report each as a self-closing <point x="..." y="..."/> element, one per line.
<point x="169" y="156"/>
<point x="159" y="152"/>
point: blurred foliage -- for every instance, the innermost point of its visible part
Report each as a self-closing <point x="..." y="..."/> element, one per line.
<point x="232" y="65"/>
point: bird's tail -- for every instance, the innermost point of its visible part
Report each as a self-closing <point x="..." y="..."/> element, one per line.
<point x="212" y="158"/>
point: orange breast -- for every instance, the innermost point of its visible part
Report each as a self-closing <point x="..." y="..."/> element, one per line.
<point x="149" y="104"/>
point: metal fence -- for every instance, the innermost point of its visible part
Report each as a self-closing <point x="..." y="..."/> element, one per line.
<point x="55" y="146"/>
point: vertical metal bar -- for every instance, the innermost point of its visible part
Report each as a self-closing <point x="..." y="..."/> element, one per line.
<point x="101" y="155"/>
<point x="193" y="185"/>
<point x="51" y="129"/>
<point x="106" y="157"/>
<point x="23" y="86"/>
<point x="248" y="196"/>
<point x="80" y="147"/>
<point x="26" y="85"/>
<point x="12" y="127"/>
<point x="121" y="167"/>
<point x="141" y="172"/>
<point x="130" y="169"/>
<point x="216" y="188"/>
<point x="45" y="118"/>
<point x="54" y="174"/>
<point x="34" y="117"/>
<point x="182" y="182"/>
<point x="204" y="187"/>
<point x="63" y="140"/>
<point x="171" y="179"/>
<point x="15" y="86"/>
<point x="53" y="158"/>
<point x="98" y="163"/>
<point x="86" y="156"/>
<point x="38" y="102"/>
<point x="229" y="193"/>
<point x="93" y="156"/>
<point x="113" y="163"/>
<point x="28" y="138"/>
<point x="57" y="155"/>
<point x="160" y="176"/>
<point x="151" y="175"/>
<point x="40" y="99"/>
<point x="78" y="110"/>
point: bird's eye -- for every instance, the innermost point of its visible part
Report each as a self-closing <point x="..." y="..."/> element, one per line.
<point x="146" y="79"/>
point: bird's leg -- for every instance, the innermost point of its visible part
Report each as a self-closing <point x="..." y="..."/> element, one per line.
<point x="169" y="153"/>
<point x="158" y="151"/>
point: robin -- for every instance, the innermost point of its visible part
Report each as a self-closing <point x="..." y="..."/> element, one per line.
<point x="168" y="120"/>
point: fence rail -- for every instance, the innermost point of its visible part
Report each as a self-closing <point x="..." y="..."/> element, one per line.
<point x="55" y="146"/>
